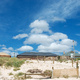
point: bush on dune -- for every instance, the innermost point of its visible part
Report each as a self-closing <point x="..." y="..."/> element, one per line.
<point x="11" y="62"/>
<point x="14" y="62"/>
<point x="3" y="60"/>
<point x="18" y="76"/>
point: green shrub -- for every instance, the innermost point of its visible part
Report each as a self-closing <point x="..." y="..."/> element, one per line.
<point x="9" y="64"/>
<point x="15" y="69"/>
<point x="1" y="62"/>
<point x="27" y="62"/>
<point x="19" y="74"/>
<point x="18" y="63"/>
<point x="14" y="62"/>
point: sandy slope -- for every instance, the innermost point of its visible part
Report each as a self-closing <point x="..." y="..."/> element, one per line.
<point x="33" y="64"/>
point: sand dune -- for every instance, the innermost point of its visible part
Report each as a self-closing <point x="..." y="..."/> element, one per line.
<point x="33" y="64"/>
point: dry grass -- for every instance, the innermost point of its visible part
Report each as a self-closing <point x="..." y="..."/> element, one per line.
<point x="10" y="73"/>
<point x="47" y="73"/>
<point x="11" y="62"/>
<point x="28" y="77"/>
<point x="19" y="75"/>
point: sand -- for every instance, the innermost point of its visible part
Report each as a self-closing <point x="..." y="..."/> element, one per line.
<point x="33" y="64"/>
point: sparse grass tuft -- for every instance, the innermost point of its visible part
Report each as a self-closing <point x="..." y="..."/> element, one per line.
<point x="19" y="75"/>
<point x="0" y="73"/>
<point x="47" y="73"/>
<point x="28" y="77"/>
<point x="27" y="62"/>
<point x="65" y="76"/>
<point x="15" y="69"/>
<point x="8" y="64"/>
<point x="60" y="60"/>
<point x="10" y="73"/>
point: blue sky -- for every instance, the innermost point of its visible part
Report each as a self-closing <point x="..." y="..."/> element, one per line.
<point x="39" y="25"/>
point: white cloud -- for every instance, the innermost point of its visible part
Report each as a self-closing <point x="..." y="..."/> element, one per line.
<point x="39" y="26"/>
<point x="63" y="45"/>
<point x="60" y="9"/>
<point x="54" y="47"/>
<point x="20" y="36"/>
<point x="58" y="19"/>
<point x="57" y="42"/>
<point x="6" y="51"/>
<point x="2" y="45"/>
<point x="38" y="39"/>
<point x="10" y="52"/>
<point x="68" y="42"/>
<point x="25" y="48"/>
<point x="78" y="34"/>
<point x="45" y="39"/>
<point x="10" y="48"/>
<point x="58" y="36"/>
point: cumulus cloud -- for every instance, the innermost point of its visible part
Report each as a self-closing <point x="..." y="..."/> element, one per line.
<point x="25" y="48"/>
<point x="20" y="36"/>
<point x="54" y="42"/>
<point x="45" y="39"/>
<point x="38" y="39"/>
<point x="39" y="26"/>
<point x="63" y="45"/>
<point x="58" y="36"/>
<point x="68" y="42"/>
<point x="53" y="47"/>
<point x="57" y="42"/>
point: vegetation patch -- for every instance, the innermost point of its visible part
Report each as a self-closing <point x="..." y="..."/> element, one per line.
<point x="10" y="73"/>
<point x="11" y="62"/>
<point x="28" y="77"/>
<point x="27" y="62"/>
<point x="47" y="73"/>
<point x="65" y="76"/>
<point x="19" y="75"/>
<point x="16" y="69"/>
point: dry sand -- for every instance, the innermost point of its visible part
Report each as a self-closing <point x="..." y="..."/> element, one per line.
<point x="33" y="64"/>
